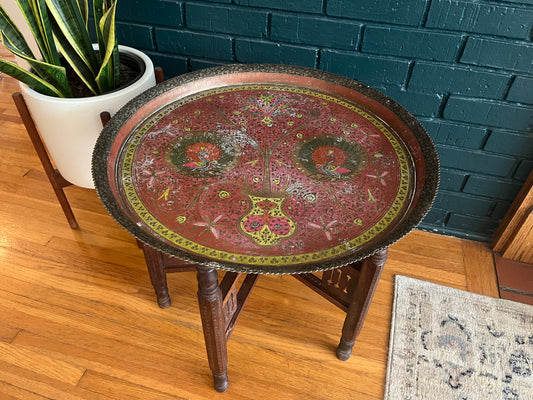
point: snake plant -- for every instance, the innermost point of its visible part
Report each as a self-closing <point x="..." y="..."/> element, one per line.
<point x="61" y="31"/>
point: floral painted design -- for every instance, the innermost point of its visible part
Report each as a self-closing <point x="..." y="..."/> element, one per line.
<point x="210" y="225"/>
<point x="279" y="226"/>
<point x="267" y="106"/>
<point x="254" y="223"/>
<point x="148" y="173"/>
<point x="266" y="223"/>
<point x="328" y="229"/>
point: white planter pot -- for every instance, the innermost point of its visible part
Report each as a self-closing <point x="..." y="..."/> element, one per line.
<point x="69" y="127"/>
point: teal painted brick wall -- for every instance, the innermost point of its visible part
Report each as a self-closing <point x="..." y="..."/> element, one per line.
<point x="509" y="142"/>
<point x="421" y="104"/>
<point x="306" y="6"/>
<point x="499" y="53"/>
<point x="440" y="78"/>
<point x="411" y="43"/>
<point x="136" y="35"/>
<point x="521" y="90"/>
<point x="452" y="180"/>
<point x="491" y="113"/>
<point x="463" y="67"/>
<point x="463" y="203"/>
<point x="260" y="51"/>
<point x="372" y="70"/>
<point x="402" y="12"/>
<point x="455" y="134"/>
<point x="159" y="12"/>
<point x="487" y="18"/>
<point x="195" y="44"/>
<point x="290" y="28"/>
<point x="486" y="186"/>
<point x="524" y="168"/>
<point x="241" y="21"/>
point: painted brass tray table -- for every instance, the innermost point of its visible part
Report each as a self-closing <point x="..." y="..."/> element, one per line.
<point x="266" y="169"/>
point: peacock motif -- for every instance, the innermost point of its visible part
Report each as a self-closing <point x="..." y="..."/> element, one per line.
<point x="202" y="156"/>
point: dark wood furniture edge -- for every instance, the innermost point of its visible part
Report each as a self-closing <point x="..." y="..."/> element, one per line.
<point x="512" y="218"/>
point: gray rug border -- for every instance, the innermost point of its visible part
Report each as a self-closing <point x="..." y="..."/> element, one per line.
<point x="400" y="282"/>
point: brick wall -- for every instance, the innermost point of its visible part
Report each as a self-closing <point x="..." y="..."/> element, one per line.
<point x="463" y="67"/>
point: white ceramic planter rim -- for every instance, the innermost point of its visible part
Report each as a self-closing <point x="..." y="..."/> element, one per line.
<point x="70" y="127"/>
<point x="103" y="97"/>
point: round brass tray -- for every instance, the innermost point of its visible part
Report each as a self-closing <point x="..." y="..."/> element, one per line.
<point x="266" y="169"/>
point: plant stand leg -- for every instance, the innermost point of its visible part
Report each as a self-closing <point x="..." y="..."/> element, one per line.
<point x="54" y="176"/>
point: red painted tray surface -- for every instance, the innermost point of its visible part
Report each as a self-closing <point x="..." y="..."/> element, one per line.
<point x="265" y="171"/>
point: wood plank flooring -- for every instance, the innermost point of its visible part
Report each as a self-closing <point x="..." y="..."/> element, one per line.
<point x="79" y="320"/>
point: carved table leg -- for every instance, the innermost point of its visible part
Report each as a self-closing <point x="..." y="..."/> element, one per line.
<point x="370" y="273"/>
<point x="158" y="276"/>
<point x="213" y="323"/>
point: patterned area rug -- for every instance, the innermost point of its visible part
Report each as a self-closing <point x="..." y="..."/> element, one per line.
<point x="453" y="345"/>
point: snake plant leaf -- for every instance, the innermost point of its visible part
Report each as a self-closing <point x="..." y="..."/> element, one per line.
<point x="13" y="33"/>
<point x="61" y="32"/>
<point x="108" y="78"/>
<point x="73" y="58"/>
<point x="98" y="14"/>
<point x="84" y="9"/>
<point x="28" y="78"/>
<point x="55" y="75"/>
<point x="75" y="61"/>
<point x="69" y="24"/>
<point x="36" y="16"/>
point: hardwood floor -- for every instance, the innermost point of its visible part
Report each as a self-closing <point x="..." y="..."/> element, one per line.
<point x="79" y="319"/>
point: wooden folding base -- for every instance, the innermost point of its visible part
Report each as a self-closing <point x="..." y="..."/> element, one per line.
<point x="350" y="288"/>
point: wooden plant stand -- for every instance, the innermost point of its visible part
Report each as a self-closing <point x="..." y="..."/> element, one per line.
<point x="57" y="180"/>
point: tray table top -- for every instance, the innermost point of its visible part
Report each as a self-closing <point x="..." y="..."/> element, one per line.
<point x="266" y="169"/>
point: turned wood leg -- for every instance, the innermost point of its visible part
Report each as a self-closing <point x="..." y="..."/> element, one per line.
<point x="370" y="273"/>
<point x="158" y="276"/>
<point x="213" y="323"/>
